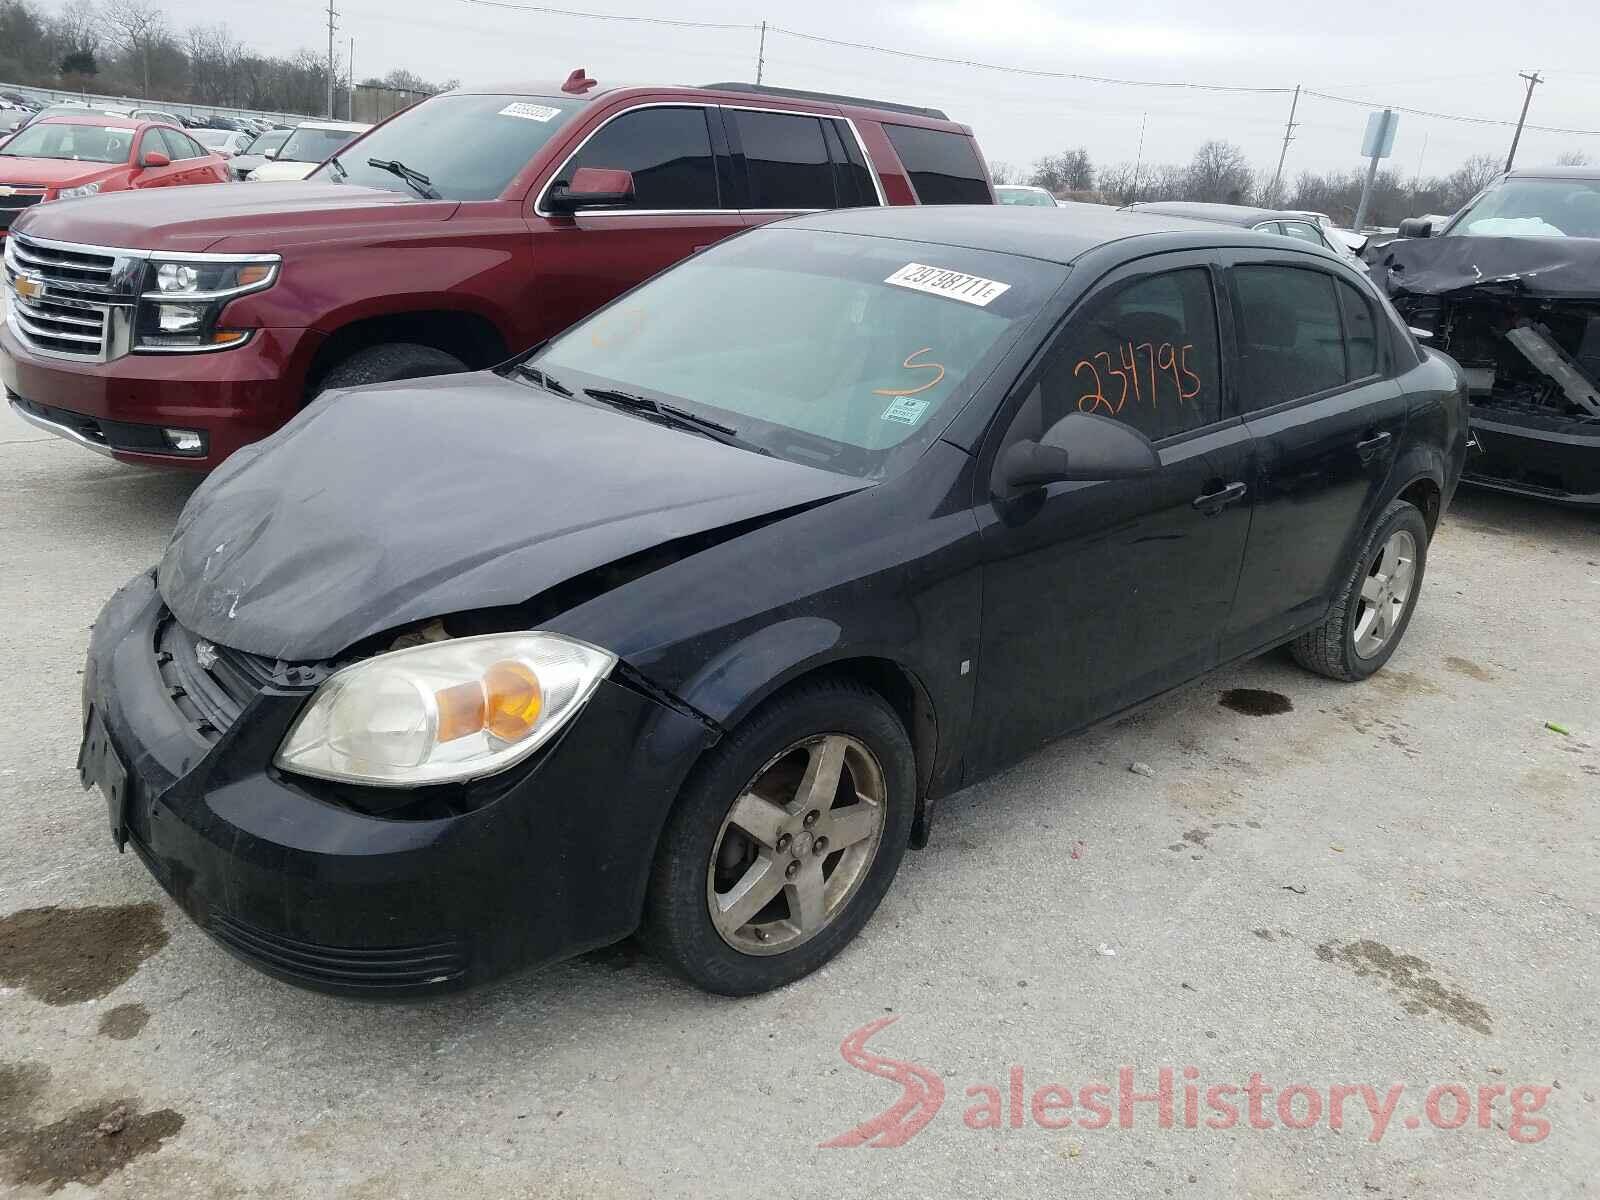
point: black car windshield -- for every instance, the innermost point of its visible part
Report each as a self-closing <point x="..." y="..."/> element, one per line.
<point x="469" y="147"/>
<point x="834" y="350"/>
<point x="307" y="144"/>
<point x="81" y="143"/>
<point x="1534" y="208"/>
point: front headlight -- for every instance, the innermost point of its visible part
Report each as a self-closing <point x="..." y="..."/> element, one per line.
<point x="444" y="712"/>
<point x="73" y="193"/>
<point x="183" y="298"/>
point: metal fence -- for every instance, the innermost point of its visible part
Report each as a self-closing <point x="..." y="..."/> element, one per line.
<point x="175" y="107"/>
<point x="374" y="104"/>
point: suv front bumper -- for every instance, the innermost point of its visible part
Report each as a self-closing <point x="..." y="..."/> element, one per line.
<point x="1546" y="458"/>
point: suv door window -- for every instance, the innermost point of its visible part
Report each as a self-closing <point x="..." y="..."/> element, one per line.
<point x="786" y="159"/>
<point x="1145" y="352"/>
<point x="854" y="176"/>
<point x="668" y="150"/>
<point x="944" y="168"/>
<point x="1290" y="343"/>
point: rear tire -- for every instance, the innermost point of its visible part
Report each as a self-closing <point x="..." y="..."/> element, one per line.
<point x="1373" y="609"/>
<point x="736" y="913"/>
<point x="388" y="362"/>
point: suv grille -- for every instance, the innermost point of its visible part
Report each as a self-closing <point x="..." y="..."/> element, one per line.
<point x="80" y="301"/>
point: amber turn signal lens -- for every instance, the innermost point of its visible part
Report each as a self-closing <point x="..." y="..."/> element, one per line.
<point x="460" y="710"/>
<point x="250" y="276"/>
<point x="514" y="700"/>
<point x="226" y="337"/>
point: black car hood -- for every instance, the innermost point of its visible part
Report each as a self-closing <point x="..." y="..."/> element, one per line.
<point x="1551" y="267"/>
<point x="390" y="504"/>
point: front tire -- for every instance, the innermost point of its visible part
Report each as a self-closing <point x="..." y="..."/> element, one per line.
<point x="1374" y="607"/>
<point x="388" y="362"/>
<point x="783" y="841"/>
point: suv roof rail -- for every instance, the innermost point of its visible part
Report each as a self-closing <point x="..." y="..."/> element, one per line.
<point x="796" y="94"/>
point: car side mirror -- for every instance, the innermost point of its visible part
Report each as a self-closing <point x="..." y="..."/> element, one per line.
<point x="269" y="154"/>
<point x="592" y="187"/>
<point x="1415" y="227"/>
<point x="1080" y="446"/>
<point x="155" y="158"/>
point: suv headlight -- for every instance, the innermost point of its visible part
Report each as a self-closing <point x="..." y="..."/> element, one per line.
<point x="183" y="298"/>
<point x="73" y="193"/>
<point x="444" y="712"/>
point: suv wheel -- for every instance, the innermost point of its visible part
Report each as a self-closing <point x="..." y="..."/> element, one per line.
<point x="784" y="840"/>
<point x="388" y="362"/>
<point x="1374" y="608"/>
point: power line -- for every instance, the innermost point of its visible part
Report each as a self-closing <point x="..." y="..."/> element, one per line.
<point x="594" y="16"/>
<point x="1440" y="116"/>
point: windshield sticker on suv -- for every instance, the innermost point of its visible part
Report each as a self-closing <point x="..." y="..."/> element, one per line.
<point x="954" y="285"/>
<point x="938" y="375"/>
<point x="905" y="410"/>
<point x="529" y="112"/>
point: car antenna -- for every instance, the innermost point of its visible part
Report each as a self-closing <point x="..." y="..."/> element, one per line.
<point x="578" y="82"/>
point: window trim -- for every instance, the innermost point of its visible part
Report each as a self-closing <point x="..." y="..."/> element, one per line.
<point x="539" y="209"/>
<point x="1236" y="257"/>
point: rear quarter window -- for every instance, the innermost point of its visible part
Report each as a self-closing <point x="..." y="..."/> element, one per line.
<point x="944" y="167"/>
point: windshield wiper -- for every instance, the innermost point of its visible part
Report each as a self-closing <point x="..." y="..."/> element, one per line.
<point x="419" y="181"/>
<point x="548" y="382"/>
<point x="669" y="414"/>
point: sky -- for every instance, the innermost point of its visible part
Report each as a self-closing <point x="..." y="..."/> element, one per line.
<point x="1461" y="58"/>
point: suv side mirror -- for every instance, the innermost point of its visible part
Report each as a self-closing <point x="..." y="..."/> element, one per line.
<point x="592" y="187"/>
<point x="154" y="158"/>
<point x="1415" y="227"/>
<point x="269" y="154"/>
<point x="1080" y="446"/>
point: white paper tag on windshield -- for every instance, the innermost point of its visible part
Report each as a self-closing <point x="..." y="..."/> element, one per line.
<point x="905" y="410"/>
<point x="954" y="285"/>
<point x="529" y="112"/>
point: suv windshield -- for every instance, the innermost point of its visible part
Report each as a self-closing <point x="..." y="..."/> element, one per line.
<point x="306" y="144"/>
<point x="469" y="147"/>
<point x="1534" y="208"/>
<point x="84" y="143"/>
<point x="833" y="350"/>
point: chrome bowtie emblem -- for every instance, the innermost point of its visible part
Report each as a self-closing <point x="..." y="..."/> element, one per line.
<point x="6" y="190"/>
<point x="205" y="654"/>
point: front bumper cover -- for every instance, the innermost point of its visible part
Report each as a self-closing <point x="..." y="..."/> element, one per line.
<point x="308" y="889"/>
<point x="1547" y="458"/>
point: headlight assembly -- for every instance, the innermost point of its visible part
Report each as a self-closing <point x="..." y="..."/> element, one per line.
<point x="444" y="712"/>
<point x="73" y="193"/>
<point x="183" y="299"/>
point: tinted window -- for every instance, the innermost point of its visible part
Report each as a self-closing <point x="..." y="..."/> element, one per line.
<point x="944" y="168"/>
<point x="1144" y="352"/>
<point x="1361" y="332"/>
<point x="855" y="177"/>
<point x="786" y="159"/>
<point x="667" y="149"/>
<point x="1289" y="335"/>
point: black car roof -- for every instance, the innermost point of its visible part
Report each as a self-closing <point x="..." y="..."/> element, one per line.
<point x="1220" y="214"/>
<point x="1059" y="235"/>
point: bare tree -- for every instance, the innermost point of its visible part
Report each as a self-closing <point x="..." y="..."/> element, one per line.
<point x="1470" y="178"/>
<point x="1069" y="171"/>
<point x="1219" y="173"/>
<point x="1573" y="158"/>
<point x="138" y="26"/>
<point x="1004" y="172"/>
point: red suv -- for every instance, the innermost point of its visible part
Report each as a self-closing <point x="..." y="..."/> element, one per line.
<point x="170" y="331"/>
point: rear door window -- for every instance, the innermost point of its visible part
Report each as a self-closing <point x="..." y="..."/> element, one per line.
<point x="1290" y="342"/>
<point x="1144" y="352"/>
<point x="1303" y="231"/>
<point x="1361" y="332"/>
<point x="851" y="170"/>
<point x="786" y="160"/>
<point x="944" y="167"/>
<point x="668" y="150"/>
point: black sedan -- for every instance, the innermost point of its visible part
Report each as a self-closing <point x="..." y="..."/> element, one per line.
<point x="684" y="621"/>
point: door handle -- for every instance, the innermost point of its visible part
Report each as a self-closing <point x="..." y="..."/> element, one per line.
<point x="1211" y="503"/>
<point x="1368" y="447"/>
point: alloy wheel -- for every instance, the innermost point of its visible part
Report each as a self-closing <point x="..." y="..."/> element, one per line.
<point x="796" y="844"/>
<point x="1385" y="593"/>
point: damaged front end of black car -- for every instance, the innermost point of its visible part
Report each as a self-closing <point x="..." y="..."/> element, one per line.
<point x="1521" y="315"/>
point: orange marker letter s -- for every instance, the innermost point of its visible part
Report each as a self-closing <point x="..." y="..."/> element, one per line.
<point x="915" y="366"/>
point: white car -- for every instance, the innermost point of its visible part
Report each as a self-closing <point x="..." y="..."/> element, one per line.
<point x="1026" y="194"/>
<point x="310" y="145"/>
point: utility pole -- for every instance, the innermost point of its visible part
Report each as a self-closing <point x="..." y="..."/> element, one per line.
<point x="1416" y="180"/>
<point x="333" y="24"/>
<point x="1138" y="162"/>
<point x="761" y="53"/>
<point x="1534" y="79"/>
<point x="350" y="77"/>
<point x="1288" y="136"/>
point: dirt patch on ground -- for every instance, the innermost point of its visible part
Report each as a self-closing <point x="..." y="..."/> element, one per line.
<point x="1465" y="666"/>
<point x="124" y="1021"/>
<point x="69" y="955"/>
<point x="1407" y="976"/>
<point x="1254" y="702"/>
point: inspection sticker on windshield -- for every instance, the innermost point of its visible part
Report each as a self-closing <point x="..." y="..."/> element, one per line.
<point x="905" y="410"/>
<point x="955" y="285"/>
<point x="529" y="112"/>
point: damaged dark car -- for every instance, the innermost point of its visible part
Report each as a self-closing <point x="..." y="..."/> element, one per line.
<point x="683" y="622"/>
<point x="1510" y="288"/>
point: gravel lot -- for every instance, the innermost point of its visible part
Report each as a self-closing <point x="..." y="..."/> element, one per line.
<point x="1394" y="882"/>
